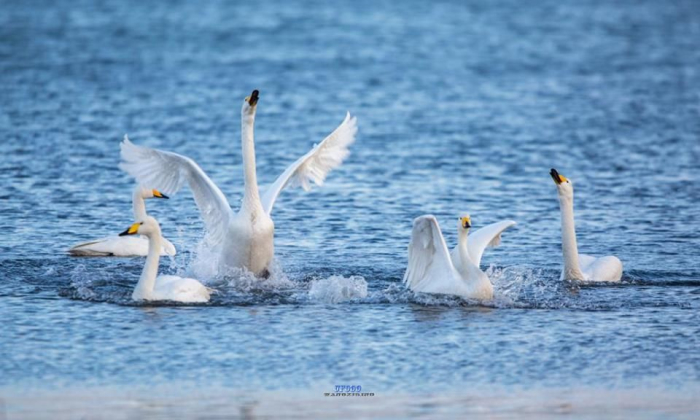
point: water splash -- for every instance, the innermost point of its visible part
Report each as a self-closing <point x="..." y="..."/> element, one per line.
<point x="95" y="285"/>
<point x="521" y="287"/>
<point x="336" y="289"/>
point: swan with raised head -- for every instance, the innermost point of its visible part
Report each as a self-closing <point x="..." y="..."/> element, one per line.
<point x="577" y="266"/>
<point x="151" y="286"/>
<point x="431" y="268"/>
<point x="131" y="246"/>
<point x="243" y="239"/>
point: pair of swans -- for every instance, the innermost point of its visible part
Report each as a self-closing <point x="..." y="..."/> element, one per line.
<point x="131" y="246"/>
<point x="433" y="269"/>
<point x="244" y="239"/>
<point x="151" y="244"/>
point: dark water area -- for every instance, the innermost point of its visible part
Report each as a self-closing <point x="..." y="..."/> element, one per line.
<point x="461" y="107"/>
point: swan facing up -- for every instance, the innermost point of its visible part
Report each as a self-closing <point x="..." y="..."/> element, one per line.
<point x="151" y="286"/>
<point x="431" y="268"/>
<point x="242" y="239"/>
<point x="577" y="266"/>
<point x="131" y="246"/>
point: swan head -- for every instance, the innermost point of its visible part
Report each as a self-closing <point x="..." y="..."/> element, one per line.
<point x="144" y="193"/>
<point x="564" y="185"/>
<point x="250" y="103"/>
<point x="147" y="226"/>
<point x="465" y="221"/>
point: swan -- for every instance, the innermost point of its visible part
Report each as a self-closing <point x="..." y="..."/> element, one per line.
<point x="131" y="246"/>
<point x="432" y="269"/>
<point x="577" y="266"/>
<point x="243" y="239"/>
<point x="153" y="287"/>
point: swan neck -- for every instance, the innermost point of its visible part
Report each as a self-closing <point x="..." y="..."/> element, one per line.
<point x="251" y="195"/>
<point x="572" y="268"/>
<point x="138" y="206"/>
<point x="147" y="281"/>
<point x="467" y="264"/>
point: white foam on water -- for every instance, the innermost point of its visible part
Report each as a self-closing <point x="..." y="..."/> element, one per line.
<point x="81" y="283"/>
<point x="337" y="289"/>
<point x="243" y="281"/>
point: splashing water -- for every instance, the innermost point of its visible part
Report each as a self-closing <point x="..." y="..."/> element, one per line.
<point x="336" y="289"/>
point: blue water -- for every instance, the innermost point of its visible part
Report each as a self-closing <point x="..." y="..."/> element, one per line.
<point x="461" y="107"/>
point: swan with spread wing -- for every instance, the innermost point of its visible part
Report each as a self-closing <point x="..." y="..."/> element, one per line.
<point x="242" y="239"/>
<point x="433" y="269"/>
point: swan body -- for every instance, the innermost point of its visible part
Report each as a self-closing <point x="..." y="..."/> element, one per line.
<point x="152" y="287"/>
<point x="125" y="246"/>
<point x="243" y="239"/>
<point x="580" y="267"/>
<point x="432" y="269"/>
<point x="250" y="241"/>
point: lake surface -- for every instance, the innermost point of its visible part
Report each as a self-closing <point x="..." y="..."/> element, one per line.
<point x="460" y="107"/>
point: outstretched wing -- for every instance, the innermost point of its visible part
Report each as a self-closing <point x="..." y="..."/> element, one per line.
<point x="430" y="268"/>
<point x="486" y="237"/>
<point x="315" y="165"/>
<point x="167" y="172"/>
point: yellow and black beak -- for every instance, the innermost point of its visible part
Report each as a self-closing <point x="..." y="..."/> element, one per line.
<point x="133" y="230"/>
<point x="253" y="98"/>
<point x="466" y="222"/>
<point x="557" y="177"/>
<point x="158" y="194"/>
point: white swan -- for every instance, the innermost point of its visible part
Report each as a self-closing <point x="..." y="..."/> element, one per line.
<point x="131" y="246"/>
<point x="431" y="269"/>
<point x="153" y="287"/>
<point x="579" y="266"/>
<point x="243" y="239"/>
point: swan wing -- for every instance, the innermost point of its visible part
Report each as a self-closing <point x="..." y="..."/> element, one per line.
<point x="430" y="268"/>
<point x="316" y="164"/>
<point x="168" y="172"/>
<point x="486" y="237"/>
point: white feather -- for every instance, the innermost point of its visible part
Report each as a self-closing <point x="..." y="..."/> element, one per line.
<point x="316" y="164"/>
<point x="429" y="263"/>
<point x="431" y="268"/>
<point x="487" y="237"/>
<point x="168" y="172"/>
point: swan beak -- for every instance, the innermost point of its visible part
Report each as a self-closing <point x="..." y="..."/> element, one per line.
<point x="557" y="177"/>
<point x="253" y="98"/>
<point x="133" y="229"/>
<point x="466" y="222"/>
<point x="158" y="194"/>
